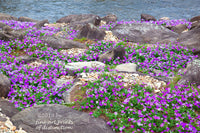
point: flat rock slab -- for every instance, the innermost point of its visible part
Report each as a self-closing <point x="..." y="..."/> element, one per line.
<point x="7" y="108"/>
<point x="127" y="67"/>
<point x="53" y="118"/>
<point x="144" y="33"/>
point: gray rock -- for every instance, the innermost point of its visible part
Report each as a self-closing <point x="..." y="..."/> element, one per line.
<point x="9" y="34"/>
<point x="195" y="24"/>
<point x="147" y="17"/>
<point x="90" y="31"/>
<point x="144" y="33"/>
<point x="192" y="74"/>
<point x="26" y="19"/>
<point x="2" y="25"/>
<point x="4" y="16"/>
<point x="191" y="39"/>
<point x="112" y="54"/>
<point x="59" y="42"/>
<point x="109" y="18"/>
<point x="40" y="24"/>
<point x="4" y="85"/>
<point x="127" y="67"/>
<point x="196" y="18"/>
<point x="80" y="19"/>
<point x="7" y="108"/>
<point x="53" y="118"/>
<point x="179" y="28"/>
<point x="80" y="65"/>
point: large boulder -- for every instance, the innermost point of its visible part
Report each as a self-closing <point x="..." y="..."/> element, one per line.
<point x="59" y="42"/>
<point x="7" y="108"/>
<point x="9" y="34"/>
<point x="112" y="54"/>
<point x="144" y="33"/>
<point x="179" y="28"/>
<point x="80" y="19"/>
<point x="196" y="18"/>
<point x="26" y="19"/>
<point x="4" y="85"/>
<point x="53" y="118"/>
<point x="147" y="17"/>
<point x="4" y="16"/>
<point x="90" y="31"/>
<point x="191" y="39"/>
<point x="2" y="25"/>
<point x="192" y="73"/>
<point x="41" y="24"/>
<point x="109" y="18"/>
<point x="195" y="24"/>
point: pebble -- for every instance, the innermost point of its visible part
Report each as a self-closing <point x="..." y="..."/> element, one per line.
<point x="73" y="51"/>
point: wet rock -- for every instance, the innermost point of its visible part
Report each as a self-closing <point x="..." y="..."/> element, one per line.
<point x="4" y="85"/>
<point x="58" y="42"/>
<point x="112" y="54"/>
<point x="179" y="28"/>
<point x="144" y="33"/>
<point x="196" y="18"/>
<point x="53" y="118"/>
<point x="192" y="74"/>
<point x="147" y="17"/>
<point x="4" y="16"/>
<point x="80" y="19"/>
<point x="191" y="39"/>
<point x="127" y="67"/>
<point x="41" y="24"/>
<point x="26" y="19"/>
<point x="109" y="18"/>
<point x="90" y="31"/>
<point x="7" y="108"/>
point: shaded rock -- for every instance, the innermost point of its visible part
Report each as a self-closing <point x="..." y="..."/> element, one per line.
<point x="7" y="108"/>
<point x="179" y="28"/>
<point x="147" y="17"/>
<point x="4" y="16"/>
<point x="191" y="40"/>
<point x="26" y="19"/>
<point x="41" y="24"/>
<point x="27" y="59"/>
<point x="128" y="67"/>
<point x="2" y="25"/>
<point x="53" y="118"/>
<point x="109" y="18"/>
<point x="80" y="19"/>
<point x="10" y="34"/>
<point x="144" y="33"/>
<point x="196" y="18"/>
<point x="4" y="85"/>
<point x="195" y="24"/>
<point x="58" y="42"/>
<point x="112" y="54"/>
<point x="192" y="74"/>
<point x="90" y="31"/>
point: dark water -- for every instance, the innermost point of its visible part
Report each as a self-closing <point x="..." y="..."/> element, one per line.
<point x="124" y="9"/>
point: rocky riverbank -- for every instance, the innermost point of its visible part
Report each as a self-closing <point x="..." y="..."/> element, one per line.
<point x="101" y="67"/>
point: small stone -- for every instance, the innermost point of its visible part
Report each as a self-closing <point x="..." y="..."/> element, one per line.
<point x="9" y="124"/>
<point x="13" y="128"/>
<point x="156" y="91"/>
